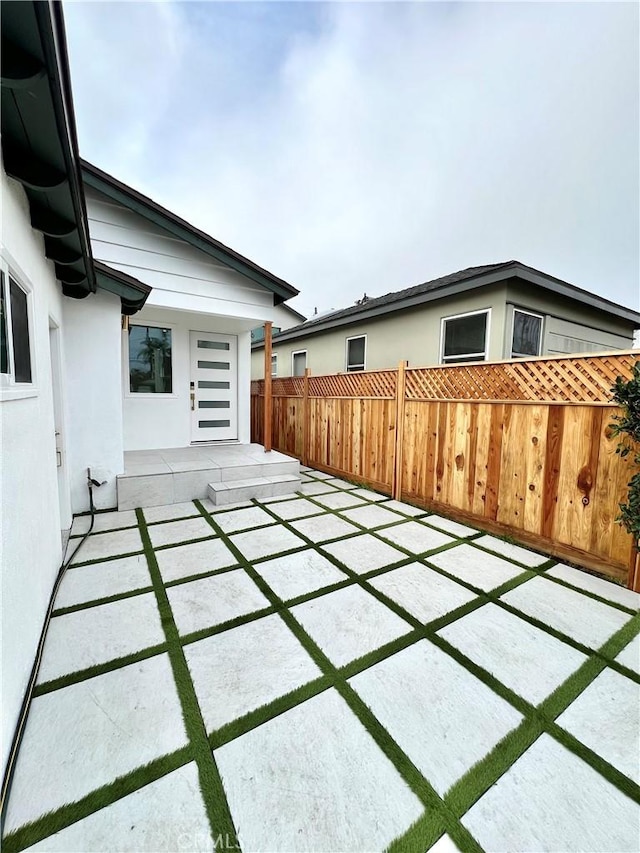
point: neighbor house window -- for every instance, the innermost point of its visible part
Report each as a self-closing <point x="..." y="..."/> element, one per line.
<point x="150" y="360"/>
<point x="298" y="362"/>
<point x="15" y="336"/>
<point x="465" y="337"/>
<point x="274" y="364"/>
<point x="356" y="353"/>
<point x="527" y="334"/>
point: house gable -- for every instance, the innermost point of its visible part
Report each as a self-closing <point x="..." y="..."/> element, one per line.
<point x="181" y="275"/>
<point x="128" y="198"/>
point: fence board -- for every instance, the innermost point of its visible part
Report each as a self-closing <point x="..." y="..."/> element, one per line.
<point x="520" y="447"/>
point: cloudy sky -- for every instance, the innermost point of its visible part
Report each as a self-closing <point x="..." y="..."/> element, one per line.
<point x="352" y="147"/>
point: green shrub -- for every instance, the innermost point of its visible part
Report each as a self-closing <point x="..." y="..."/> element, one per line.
<point x="627" y="394"/>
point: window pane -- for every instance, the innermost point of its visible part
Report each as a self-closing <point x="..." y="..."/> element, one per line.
<point x="526" y="334"/>
<point x="274" y="365"/>
<point x="149" y="360"/>
<point x="299" y="363"/>
<point x="206" y="384"/>
<point x="214" y="404"/>
<point x="20" y="333"/>
<point x="211" y="424"/>
<point x="214" y="365"/>
<point x="355" y="354"/>
<point x="4" y="346"/>
<point x="465" y="335"/>
<point x="213" y="345"/>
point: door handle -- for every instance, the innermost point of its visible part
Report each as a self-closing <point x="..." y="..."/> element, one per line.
<point x="193" y="396"/>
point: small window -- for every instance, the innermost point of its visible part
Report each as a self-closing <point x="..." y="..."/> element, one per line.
<point x="465" y="337"/>
<point x="15" y="337"/>
<point x="356" y="353"/>
<point x="150" y="360"/>
<point x="298" y="363"/>
<point x="527" y="334"/>
<point x="274" y="364"/>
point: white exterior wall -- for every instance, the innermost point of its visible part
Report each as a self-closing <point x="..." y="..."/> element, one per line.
<point x="191" y="292"/>
<point x="183" y="277"/>
<point x="94" y="396"/>
<point x="31" y="517"/>
<point x="163" y="420"/>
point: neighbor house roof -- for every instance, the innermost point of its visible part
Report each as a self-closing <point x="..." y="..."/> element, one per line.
<point x="451" y="285"/>
<point x="153" y="212"/>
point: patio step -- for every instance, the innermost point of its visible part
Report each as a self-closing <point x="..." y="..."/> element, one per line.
<point x="233" y="491"/>
<point x="175" y="475"/>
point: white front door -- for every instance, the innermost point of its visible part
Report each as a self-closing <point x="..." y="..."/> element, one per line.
<point x="214" y="391"/>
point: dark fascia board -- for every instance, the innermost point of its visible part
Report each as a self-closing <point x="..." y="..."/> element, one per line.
<point x="51" y="36"/>
<point x="453" y="289"/>
<point x="149" y="209"/>
<point x="132" y="292"/>
<point x="505" y="272"/>
<point x="563" y="288"/>
<point x="297" y="314"/>
<point x="63" y="97"/>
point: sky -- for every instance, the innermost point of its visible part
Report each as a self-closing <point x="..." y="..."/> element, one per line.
<point x="367" y="147"/>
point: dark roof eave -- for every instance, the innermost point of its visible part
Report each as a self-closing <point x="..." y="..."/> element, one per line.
<point x="133" y="293"/>
<point x="37" y="66"/>
<point x="506" y="271"/>
<point x="563" y="288"/>
<point x="136" y="201"/>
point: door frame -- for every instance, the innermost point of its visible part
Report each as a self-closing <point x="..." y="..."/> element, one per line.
<point x="233" y="396"/>
<point x="59" y="426"/>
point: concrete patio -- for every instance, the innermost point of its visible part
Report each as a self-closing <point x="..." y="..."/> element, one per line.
<point x="328" y="671"/>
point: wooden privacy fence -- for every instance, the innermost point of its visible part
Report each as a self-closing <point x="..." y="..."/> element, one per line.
<point x="522" y="448"/>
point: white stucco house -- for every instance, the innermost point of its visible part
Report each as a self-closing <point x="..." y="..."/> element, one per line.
<point x="125" y="344"/>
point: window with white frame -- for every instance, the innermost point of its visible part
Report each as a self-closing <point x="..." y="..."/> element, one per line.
<point x="15" y="331"/>
<point x="356" y="353"/>
<point x="526" y="339"/>
<point x="150" y="360"/>
<point x="274" y="364"/>
<point x="298" y="362"/>
<point x="465" y="337"/>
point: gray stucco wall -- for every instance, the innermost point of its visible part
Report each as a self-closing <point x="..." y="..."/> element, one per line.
<point x="414" y="334"/>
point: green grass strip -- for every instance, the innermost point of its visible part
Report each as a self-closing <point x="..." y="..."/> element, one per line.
<point x="57" y="820"/>
<point x="98" y="669"/>
<point x="96" y="602"/>
<point x="213" y="792"/>
<point x="412" y="776"/>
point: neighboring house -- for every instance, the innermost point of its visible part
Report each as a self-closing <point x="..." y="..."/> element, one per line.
<point x="118" y="330"/>
<point x="485" y="313"/>
<point x="285" y="318"/>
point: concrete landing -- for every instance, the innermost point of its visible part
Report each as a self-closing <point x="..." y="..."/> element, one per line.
<point x="177" y="474"/>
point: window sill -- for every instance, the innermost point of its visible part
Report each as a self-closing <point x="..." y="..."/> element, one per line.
<point x="13" y="393"/>
<point x="134" y="396"/>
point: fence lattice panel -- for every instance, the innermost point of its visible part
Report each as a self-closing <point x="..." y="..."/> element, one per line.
<point x="378" y="383"/>
<point x="586" y="379"/>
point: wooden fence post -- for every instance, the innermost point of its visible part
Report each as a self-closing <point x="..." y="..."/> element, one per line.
<point x="634" y="570"/>
<point x="305" y="418"/>
<point x="397" y="455"/>
<point x="268" y="400"/>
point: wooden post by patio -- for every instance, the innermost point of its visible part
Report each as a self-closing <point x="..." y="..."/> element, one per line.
<point x="305" y="418"/>
<point x="397" y="462"/>
<point x="267" y="387"/>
